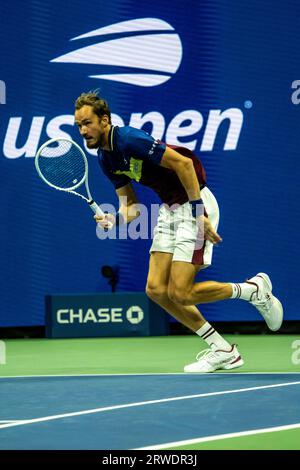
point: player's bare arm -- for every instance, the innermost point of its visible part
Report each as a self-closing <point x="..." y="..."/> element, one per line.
<point x="129" y="205"/>
<point x="185" y="171"/>
<point x="128" y="209"/>
<point x="184" y="168"/>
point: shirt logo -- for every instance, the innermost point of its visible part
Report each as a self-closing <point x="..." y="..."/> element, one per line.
<point x="135" y="170"/>
<point x="155" y="49"/>
<point x="155" y="143"/>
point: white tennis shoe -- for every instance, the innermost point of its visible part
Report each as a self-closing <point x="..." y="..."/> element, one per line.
<point x="266" y="303"/>
<point x="213" y="359"/>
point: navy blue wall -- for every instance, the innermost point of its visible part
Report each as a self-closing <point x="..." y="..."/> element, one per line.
<point x="223" y="55"/>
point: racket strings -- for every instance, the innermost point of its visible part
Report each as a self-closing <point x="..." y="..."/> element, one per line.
<point x="62" y="165"/>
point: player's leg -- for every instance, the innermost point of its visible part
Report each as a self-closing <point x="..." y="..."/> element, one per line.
<point x="186" y="262"/>
<point x="158" y="284"/>
<point x="161" y="254"/>
<point x="183" y="290"/>
<point x="157" y="290"/>
<point x="221" y="354"/>
<point x="187" y="251"/>
<point x="257" y="291"/>
<point x="192" y="254"/>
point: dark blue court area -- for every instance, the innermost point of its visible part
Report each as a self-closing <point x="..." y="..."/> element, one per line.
<point x="129" y="412"/>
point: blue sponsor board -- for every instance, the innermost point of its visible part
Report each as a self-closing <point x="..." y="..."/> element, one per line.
<point x="219" y="77"/>
<point x="97" y="315"/>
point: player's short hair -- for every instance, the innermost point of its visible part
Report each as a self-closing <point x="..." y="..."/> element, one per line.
<point x="99" y="105"/>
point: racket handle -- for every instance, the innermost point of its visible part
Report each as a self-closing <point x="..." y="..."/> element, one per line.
<point x="96" y="209"/>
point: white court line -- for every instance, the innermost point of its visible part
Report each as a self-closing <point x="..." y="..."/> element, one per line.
<point x="11" y="420"/>
<point x="220" y="436"/>
<point x="142" y="374"/>
<point x="143" y="403"/>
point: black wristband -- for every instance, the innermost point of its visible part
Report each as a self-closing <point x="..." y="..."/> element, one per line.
<point x="119" y="219"/>
<point x="194" y="206"/>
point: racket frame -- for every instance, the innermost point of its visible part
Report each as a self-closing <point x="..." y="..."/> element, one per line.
<point x="93" y="205"/>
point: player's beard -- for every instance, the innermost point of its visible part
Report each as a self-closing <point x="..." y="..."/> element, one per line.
<point x="96" y="143"/>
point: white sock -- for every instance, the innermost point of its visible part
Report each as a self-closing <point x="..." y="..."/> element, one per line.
<point x="243" y="290"/>
<point x="212" y="337"/>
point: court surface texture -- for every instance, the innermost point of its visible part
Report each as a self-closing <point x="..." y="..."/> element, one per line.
<point x="131" y="393"/>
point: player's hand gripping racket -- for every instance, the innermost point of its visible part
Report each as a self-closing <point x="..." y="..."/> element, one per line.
<point x="62" y="164"/>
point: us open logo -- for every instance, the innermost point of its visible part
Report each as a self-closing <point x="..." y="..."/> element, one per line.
<point x="135" y="315"/>
<point x="150" y="46"/>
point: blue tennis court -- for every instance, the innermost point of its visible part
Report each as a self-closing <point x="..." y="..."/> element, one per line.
<point x="138" y="411"/>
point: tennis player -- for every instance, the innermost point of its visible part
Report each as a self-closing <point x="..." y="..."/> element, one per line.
<point x="177" y="252"/>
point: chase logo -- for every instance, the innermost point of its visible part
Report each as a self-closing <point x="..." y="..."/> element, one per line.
<point x="145" y="51"/>
<point x="135" y="315"/>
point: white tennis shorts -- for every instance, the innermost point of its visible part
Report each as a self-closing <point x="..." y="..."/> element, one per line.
<point x="177" y="232"/>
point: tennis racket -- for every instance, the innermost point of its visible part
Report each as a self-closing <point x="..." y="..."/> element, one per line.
<point x="62" y="164"/>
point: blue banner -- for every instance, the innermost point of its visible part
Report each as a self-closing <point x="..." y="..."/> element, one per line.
<point x="219" y="77"/>
<point x="101" y="315"/>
